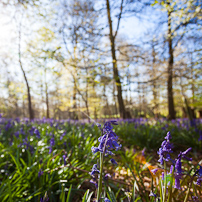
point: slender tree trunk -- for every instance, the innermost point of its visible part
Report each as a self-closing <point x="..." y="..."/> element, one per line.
<point x="192" y="80"/>
<point x="31" y="113"/>
<point x="74" y="102"/>
<point x="171" y="108"/>
<point x="47" y="98"/>
<point x="47" y="102"/>
<point x="139" y="99"/>
<point x="122" y="111"/>
<point x="86" y="100"/>
<point x="154" y="85"/>
<point x="114" y="98"/>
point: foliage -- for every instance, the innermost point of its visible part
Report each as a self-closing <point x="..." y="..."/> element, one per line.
<point x="55" y="157"/>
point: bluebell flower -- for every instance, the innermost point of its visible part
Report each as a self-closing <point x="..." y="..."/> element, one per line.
<point x="40" y="173"/>
<point x="199" y="171"/>
<point x="93" y="181"/>
<point x="199" y="181"/>
<point x="22" y="131"/>
<point x="178" y="164"/>
<point x="94" y="170"/>
<point x="44" y="199"/>
<point x="52" y="143"/>
<point x="153" y="194"/>
<point x="108" y="137"/>
<point x="61" y="137"/>
<point x="64" y="159"/>
<point x="32" y="130"/>
<point x="36" y="132"/>
<point x="195" y="199"/>
<point x="178" y="177"/>
<point x="200" y="136"/>
<point x="113" y="161"/>
<point x="17" y="134"/>
<point x="106" y="200"/>
<point x="178" y="167"/>
<point x="50" y="150"/>
<point x="107" y="143"/>
<point x="185" y="153"/>
<point x="199" y="175"/>
<point x="94" y="149"/>
<point x="165" y="149"/>
<point x="8" y="125"/>
<point x="154" y="170"/>
<point x="107" y="176"/>
<point x="27" y="144"/>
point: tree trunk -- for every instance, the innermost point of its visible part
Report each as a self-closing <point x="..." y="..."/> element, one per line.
<point x="31" y="113"/>
<point x="154" y="85"/>
<point x="171" y="109"/>
<point x="47" y="99"/>
<point x="192" y="80"/>
<point x="75" y="116"/>
<point x="115" y="69"/>
<point x="47" y="102"/>
<point x="114" y="98"/>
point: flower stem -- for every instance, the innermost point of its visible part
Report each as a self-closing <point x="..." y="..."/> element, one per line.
<point x="187" y="195"/>
<point x="101" y="170"/>
<point x="165" y="182"/>
<point x="160" y="188"/>
<point x="171" y="187"/>
<point x="100" y="179"/>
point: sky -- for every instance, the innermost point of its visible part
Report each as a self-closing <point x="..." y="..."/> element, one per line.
<point x="130" y="28"/>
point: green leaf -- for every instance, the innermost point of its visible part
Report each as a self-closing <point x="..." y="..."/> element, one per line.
<point x="69" y="193"/>
<point x="110" y="194"/>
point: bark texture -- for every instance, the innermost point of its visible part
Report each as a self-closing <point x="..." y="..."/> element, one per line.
<point x="171" y="108"/>
<point x="122" y="111"/>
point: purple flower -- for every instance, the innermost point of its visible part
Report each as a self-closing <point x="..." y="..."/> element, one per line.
<point x="185" y="153"/>
<point x="178" y="164"/>
<point x="199" y="175"/>
<point x="17" y="134"/>
<point x="52" y="141"/>
<point x="178" y="167"/>
<point x="36" y="132"/>
<point x="153" y="194"/>
<point x="200" y="136"/>
<point x="154" y="171"/>
<point x="165" y="149"/>
<point x="107" y="176"/>
<point x="8" y="126"/>
<point x="40" y="173"/>
<point x="93" y="181"/>
<point x="199" y="171"/>
<point x="106" y="200"/>
<point x="94" y="149"/>
<point x="113" y="161"/>
<point x="143" y="151"/>
<point x="61" y="137"/>
<point x="50" y="150"/>
<point x="32" y="130"/>
<point x="108" y="137"/>
<point x="198" y="181"/>
<point x="64" y="158"/>
<point x="171" y="169"/>
<point x="195" y="199"/>
<point x="45" y="199"/>
<point x="94" y="170"/>
<point x="178" y="176"/>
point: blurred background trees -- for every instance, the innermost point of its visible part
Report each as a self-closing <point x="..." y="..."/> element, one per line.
<point x="104" y="59"/>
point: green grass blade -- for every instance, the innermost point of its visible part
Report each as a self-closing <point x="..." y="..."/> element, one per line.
<point x="69" y="193"/>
